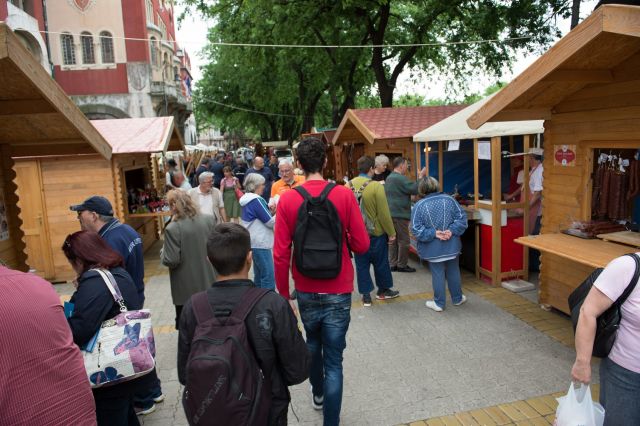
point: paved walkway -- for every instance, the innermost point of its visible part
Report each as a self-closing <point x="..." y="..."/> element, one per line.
<point x="405" y="363"/>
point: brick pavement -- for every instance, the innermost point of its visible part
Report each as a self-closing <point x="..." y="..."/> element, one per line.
<point x="404" y="362"/>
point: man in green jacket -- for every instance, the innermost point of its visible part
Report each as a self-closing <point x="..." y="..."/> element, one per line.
<point x="399" y="190"/>
<point x="371" y="196"/>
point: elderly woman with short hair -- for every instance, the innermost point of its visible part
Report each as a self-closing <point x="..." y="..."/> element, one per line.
<point x="380" y="170"/>
<point x="257" y="218"/>
<point x="437" y="222"/>
<point x="185" y="249"/>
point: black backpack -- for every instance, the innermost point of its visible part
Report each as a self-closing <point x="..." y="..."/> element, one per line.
<point x="225" y="385"/>
<point x="609" y="321"/>
<point x="317" y="240"/>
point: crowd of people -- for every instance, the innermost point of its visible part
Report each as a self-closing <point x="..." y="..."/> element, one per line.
<point x="283" y="226"/>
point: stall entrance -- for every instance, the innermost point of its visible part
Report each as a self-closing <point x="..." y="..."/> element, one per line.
<point x="34" y="218"/>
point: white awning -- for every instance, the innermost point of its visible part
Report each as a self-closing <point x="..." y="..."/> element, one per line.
<point x="455" y="127"/>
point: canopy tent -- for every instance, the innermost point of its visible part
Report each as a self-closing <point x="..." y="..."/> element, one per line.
<point x="455" y="127"/>
<point x="137" y="135"/>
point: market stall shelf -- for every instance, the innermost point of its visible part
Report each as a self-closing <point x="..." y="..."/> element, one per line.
<point x="624" y="237"/>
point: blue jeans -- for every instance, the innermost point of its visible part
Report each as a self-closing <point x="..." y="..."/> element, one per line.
<point x="263" y="275"/>
<point x="450" y="271"/>
<point x="378" y="255"/>
<point x="326" y="320"/>
<point x="144" y="399"/>
<point x="619" y="394"/>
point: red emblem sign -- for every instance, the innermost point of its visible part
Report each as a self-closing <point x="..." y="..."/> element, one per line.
<point x="83" y="5"/>
<point x="565" y="156"/>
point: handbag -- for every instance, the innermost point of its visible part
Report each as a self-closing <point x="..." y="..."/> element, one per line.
<point x="609" y="321"/>
<point x="239" y="193"/>
<point x="123" y="349"/>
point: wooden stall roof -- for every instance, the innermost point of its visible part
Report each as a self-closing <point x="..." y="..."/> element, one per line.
<point x="140" y="135"/>
<point x="601" y="50"/>
<point x="36" y="115"/>
<point x="326" y="135"/>
<point x="390" y="123"/>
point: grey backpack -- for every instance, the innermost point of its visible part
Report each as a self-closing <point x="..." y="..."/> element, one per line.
<point x="369" y="223"/>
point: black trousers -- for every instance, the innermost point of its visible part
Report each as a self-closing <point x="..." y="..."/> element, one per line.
<point x="178" y="312"/>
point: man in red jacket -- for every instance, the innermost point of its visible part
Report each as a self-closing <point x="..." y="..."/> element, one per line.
<point x="325" y="304"/>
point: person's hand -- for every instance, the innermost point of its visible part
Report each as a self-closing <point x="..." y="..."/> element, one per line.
<point x="440" y="235"/>
<point x="581" y="372"/>
<point x="447" y="234"/>
<point x="392" y="239"/>
<point x="272" y="208"/>
<point x="423" y="172"/>
<point x="294" y="307"/>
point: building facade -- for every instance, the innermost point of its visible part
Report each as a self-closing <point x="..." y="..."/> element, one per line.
<point x="115" y="58"/>
<point x="26" y="19"/>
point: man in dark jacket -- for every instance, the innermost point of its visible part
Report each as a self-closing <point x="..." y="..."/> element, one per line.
<point x="259" y="168"/>
<point x="271" y="325"/>
<point x="216" y="167"/>
<point x="96" y="215"/>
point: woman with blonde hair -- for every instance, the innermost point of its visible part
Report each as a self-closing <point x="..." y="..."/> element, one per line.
<point x="185" y="249"/>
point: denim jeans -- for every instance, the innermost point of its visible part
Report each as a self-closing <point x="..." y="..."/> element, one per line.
<point x="448" y="270"/>
<point x="326" y="320"/>
<point x="144" y="399"/>
<point x="619" y="394"/>
<point x="378" y="256"/>
<point x="263" y="275"/>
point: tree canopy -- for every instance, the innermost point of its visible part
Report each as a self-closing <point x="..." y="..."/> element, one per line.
<point x="278" y="92"/>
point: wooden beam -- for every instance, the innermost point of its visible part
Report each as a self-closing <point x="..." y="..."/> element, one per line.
<point x="580" y="75"/>
<point x="496" y="211"/>
<point x="23" y="151"/>
<point x="26" y="107"/>
<point x="441" y="165"/>
<point x="526" y="144"/>
<point x="476" y="175"/>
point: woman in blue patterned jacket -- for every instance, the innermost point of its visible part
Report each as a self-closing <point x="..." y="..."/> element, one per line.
<point x="437" y="222"/>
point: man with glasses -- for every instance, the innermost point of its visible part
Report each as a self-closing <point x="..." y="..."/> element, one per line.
<point x="288" y="179"/>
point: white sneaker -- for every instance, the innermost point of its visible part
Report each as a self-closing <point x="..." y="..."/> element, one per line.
<point x="463" y="300"/>
<point x="431" y="304"/>
<point x="316" y="402"/>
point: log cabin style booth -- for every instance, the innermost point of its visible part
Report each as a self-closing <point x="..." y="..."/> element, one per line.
<point x="450" y="150"/>
<point x="37" y="119"/>
<point x="130" y="180"/>
<point x="326" y="136"/>
<point x="587" y="89"/>
<point x="387" y="131"/>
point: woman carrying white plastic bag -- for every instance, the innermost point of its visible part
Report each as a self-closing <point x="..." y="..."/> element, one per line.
<point x="620" y="370"/>
<point x="577" y="408"/>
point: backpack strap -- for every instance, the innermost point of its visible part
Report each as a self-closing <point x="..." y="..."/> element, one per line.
<point x="247" y="302"/>
<point x="632" y="284"/>
<point x="325" y="192"/>
<point x="201" y="307"/>
<point x="303" y="192"/>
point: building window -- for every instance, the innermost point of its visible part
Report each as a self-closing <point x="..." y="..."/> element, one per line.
<point x="106" y="46"/>
<point x="88" y="54"/>
<point x="68" y="50"/>
<point x="165" y="68"/>
<point x="153" y="48"/>
<point x="149" y="10"/>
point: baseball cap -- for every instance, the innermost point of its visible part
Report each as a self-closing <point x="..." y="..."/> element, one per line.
<point x="96" y="204"/>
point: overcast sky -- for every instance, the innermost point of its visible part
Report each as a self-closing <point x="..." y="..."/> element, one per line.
<point x="192" y="35"/>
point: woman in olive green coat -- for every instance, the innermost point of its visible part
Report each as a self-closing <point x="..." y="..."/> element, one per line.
<point x="185" y="249"/>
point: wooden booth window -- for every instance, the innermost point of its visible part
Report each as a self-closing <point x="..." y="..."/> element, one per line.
<point x="613" y="204"/>
<point x="136" y="183"/>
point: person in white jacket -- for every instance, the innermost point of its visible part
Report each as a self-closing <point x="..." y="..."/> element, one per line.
<point x="259" y="221"/>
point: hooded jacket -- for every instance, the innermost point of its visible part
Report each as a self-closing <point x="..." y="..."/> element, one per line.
<point x="258" y="220"/>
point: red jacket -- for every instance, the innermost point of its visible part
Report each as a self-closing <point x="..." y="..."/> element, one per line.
<point x="353" y="229"/>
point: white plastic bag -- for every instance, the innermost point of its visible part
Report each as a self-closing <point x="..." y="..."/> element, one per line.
<point x="577" y="408"/>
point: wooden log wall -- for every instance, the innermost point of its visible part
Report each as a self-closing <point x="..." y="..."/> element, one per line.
<point x="67" y="181"/>
<point x="11" y="250"/>
<point x="597" y="116"/>
<point x="404" y="147"/>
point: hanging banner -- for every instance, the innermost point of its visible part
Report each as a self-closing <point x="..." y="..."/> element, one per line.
<point x="4" y="223"/>
<point x="564" y="155"/>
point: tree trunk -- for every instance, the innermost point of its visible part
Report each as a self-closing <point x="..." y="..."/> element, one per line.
<point x="575" y="13"/>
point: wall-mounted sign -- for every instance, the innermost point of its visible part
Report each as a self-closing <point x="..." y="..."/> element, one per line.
<point x="564" y="155"/>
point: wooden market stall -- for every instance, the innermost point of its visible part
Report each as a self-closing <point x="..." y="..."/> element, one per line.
<point x="386" y="131"/>
<point x="587" y="89"/>
<point x="129" y="179"/>
<point x="493" y="223"/>
<point x="36" y="118"/>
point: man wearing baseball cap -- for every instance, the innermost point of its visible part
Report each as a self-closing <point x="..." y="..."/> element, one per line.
<point x="96" y="215"/>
